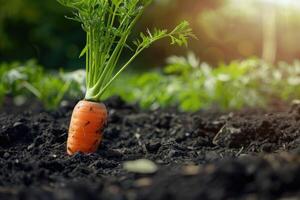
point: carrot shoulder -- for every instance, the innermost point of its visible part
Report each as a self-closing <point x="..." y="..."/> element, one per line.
<point x="86" y="127"/>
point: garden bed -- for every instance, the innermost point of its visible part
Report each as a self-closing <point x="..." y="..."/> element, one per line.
<point x="248" y="154"/>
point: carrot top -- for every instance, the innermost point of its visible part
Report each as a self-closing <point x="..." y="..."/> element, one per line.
<point x="108" y="25"/>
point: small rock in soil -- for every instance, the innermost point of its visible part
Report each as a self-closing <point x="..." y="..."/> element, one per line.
<point x="142" y="166"/>
<point x="6" y="155"/>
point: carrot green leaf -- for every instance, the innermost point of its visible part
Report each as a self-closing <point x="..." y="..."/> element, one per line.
<point x="108" y="25"/>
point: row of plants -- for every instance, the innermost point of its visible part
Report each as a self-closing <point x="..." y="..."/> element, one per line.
<point x="24" y="81"/>
<point x="192" y="84"/>
<point x="185" y="82"/>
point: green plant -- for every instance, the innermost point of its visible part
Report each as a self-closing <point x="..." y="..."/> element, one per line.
<point x="2" y="93"/>
<point x="16" y="76"/>
<point x="185" y="82"/>
<point x="226" y="86"/>
<point x="190" y="84"/>
<point x="108" y="25"/>
<point x="30" y="79"/>
<point x="52" y="88"/>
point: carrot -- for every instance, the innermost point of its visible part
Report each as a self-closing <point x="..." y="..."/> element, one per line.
<point x="108" y="25"/>
<point x="86" y="127"/>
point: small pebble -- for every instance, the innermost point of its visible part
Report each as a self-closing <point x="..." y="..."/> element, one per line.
<point x="31" y="146"/>
<point x="141" y="166"/>
<point x="6" y="155"/>
<point x="17" y="124"/>
<point x="187" y="134"/>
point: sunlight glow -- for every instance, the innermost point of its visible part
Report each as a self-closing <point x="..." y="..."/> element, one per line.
<point x="281" y="2"/>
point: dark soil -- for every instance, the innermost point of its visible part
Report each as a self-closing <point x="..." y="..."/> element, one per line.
<point x="204" y="155"/>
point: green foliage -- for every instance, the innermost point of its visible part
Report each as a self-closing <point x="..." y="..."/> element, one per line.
<point x="185" y="82"/>
<point x="30" y="80"/>
<point x="35" y="29"/>
<point x="2" y="93"/>
<point x="108" y="25"/>
<point x="191" y="85"/>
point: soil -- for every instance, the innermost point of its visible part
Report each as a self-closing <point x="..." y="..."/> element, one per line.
<point x="249" y="154"/>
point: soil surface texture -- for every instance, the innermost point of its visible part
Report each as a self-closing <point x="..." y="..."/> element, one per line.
<point x="249" y="154"/>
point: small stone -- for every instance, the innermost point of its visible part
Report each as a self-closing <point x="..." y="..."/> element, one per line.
<point x="6" y="155"/>
<point x="243" y="155"/>
<point x="187" y="134"/>
<point x="31" y="146"/>
<point x="54" y="156"/>
<point x="141" y="166"/>
<point x="17" y="124"/>
<point x="138" y="136"/>
<point x="159" y="161"/>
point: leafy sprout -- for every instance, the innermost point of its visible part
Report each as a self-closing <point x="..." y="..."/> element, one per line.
<point x="108" y="25"/>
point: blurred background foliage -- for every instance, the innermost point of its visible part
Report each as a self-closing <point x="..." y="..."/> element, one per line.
<point x="38" y="29"/>
<point x="185" y="83"/>
<point x="226" y="30"/>
<point x="236" y="60"/>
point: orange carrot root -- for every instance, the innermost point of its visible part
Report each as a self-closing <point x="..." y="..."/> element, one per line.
<point x="86" y="127"/>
